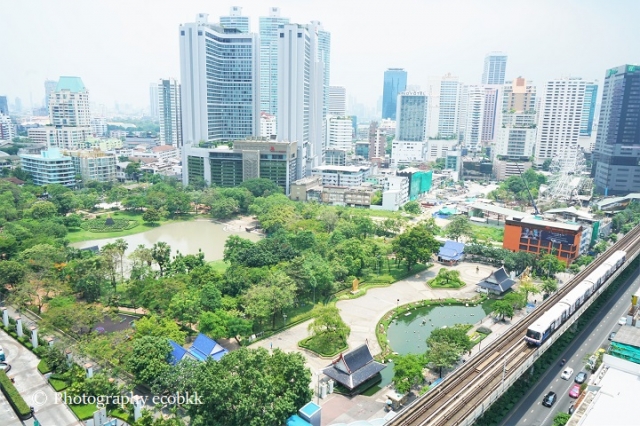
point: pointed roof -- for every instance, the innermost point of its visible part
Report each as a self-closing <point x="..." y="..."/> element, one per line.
<point x="177" y="353"/>
<point x="498" y="281"/>
<point x="72" y="84"/>
<point x="452" y="250"/>
<point x="204" y="347"/>
<point x="354" y="368"/>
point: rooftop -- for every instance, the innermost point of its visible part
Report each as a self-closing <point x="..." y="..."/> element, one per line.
<point x="351" y="169"/>
<point x="72" y="84"/>
<point x="497" y="209"/>
<point x="163" y="148"/>
<point x="533" y="220"/>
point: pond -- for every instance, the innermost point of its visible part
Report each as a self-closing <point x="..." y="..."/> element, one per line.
<point x="187" y="237"/>
<point x="408" y="334"/>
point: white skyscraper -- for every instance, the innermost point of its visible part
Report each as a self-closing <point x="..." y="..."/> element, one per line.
<point x="516" y="136"/>
<point x="337" y="101"/>
<point x="49" y="88"/>
<point x="450" y="91"/>
<point x="220" y="82"/>
<point x="7" y="129"/>
<point x="69" y="104"/>
<point x="153" y="101"/>
<point x="472" y="117"/>
<point x="268" y="127"/>
<point x="560" y="117"/>
<point x="235" y="20"/>
<point x="491" y="109"/>
<point x="339" y="133"/>
<point x="409" y="144"/>
<point x="323" y="55"/>
<point x="269" y="60"/>
<point x="170" y="110"/>
<point x="495" y="66"/>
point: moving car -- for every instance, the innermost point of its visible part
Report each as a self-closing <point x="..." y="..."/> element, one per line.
<point x="622" y="321"/>
<point x="612" y="335"/>
<point x="549" y="399"/>
<point x="574" y="392"/>
<point x="567" y="373"/>
<point x="571" y="409"/>
<point x="580" y="377"/>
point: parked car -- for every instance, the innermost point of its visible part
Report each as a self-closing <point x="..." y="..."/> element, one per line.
<point x="571" y="409"/>
<point x="574" y="392"/>
<point x="567" y="373"/>
<point x="612" y="335"/>
<point x="580" y="377"/>
<point x="622" y="321"/>
<point x="2" y="357"/>
<point x="549" y="399"/>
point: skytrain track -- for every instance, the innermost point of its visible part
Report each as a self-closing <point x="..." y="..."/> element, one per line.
<point x="459" y="394"/>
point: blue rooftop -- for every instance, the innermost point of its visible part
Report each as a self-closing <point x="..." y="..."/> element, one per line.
<point x="309" y="409"/>
<point x="296" y="420"/>
<point x="177" y="353"/>
<point x="203" y="347"/>
<point x="72" y="84"/>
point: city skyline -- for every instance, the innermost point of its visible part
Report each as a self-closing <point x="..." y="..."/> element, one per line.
<point x="118" y="61"/>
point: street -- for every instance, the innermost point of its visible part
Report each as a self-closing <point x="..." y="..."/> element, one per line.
<point x="530" y="411"/>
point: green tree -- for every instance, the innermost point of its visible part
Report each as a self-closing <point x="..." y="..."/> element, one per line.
<point x="408" y="371"/>
<point x="11" y="273"/>
<point x="561" y="419"/>
<point x="442" y="355"/>
<point x="161" y="254"/>
<point x="185" y="307"/>
<point x="261" y="187"/>
<point x="528" y="287"/>
<point x="549" y="265"/>
<point x="155" y="326"/>
<point x="149" y="359"/>
<point x="271" y="298"/>
<point x="224" y="208"/>
<point x="213" y="324"/>
<point x="455" y="336"/>
<point x="503" y="308"/>
<point x="516" y="299"/>
<point x="415" y="245"/>
<point x="42" y="210"/>
<point x="549" y="285"/>
<point x="55" y="358"/>
<point x="459" y="226"/>
<point x="546" y="164"/>
<point x="151" y="215"/>
<point x="412" y="207"/>
<point x="328" y="323"/>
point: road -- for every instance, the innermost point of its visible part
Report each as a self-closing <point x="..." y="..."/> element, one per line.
<point x="530" y="410"/>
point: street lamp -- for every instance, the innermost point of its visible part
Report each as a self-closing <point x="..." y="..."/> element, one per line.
<point x="397" y="304"/>
<point x="284" y="316"/>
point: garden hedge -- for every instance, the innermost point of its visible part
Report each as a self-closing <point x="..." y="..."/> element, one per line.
<point x="99" y="225"/>
<point x="16" y="401"/>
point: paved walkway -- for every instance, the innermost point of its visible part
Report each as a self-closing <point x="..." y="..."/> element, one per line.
<point x="362" y="314"/>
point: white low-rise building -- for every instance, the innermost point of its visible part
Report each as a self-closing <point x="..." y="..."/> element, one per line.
<point x="49" y="167"/>
<point x="268" y="125"/>
<point x="348" y="176"/>
<point x="395" y="193"/>
<point x="438" y="148"/>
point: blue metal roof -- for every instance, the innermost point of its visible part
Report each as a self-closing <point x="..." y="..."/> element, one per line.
<point x="72" y="84"/>
<point x="296" y="420"/>
<point x="452" y="250"/>
<point x="177" y="353"/>
<point x="204" y="347"/>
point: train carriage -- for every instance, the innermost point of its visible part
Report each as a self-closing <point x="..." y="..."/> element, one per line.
<point x="575" y="298"/>
<point x="616" y="259"/>
<point x="544" y="326"/>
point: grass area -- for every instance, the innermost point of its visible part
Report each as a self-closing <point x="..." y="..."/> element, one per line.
<point x="387" y="214"/>
<point x="84" y="235"/>
<point x="486" y="232"/>
<point x="43" y="368"/>
<point x="121" y="414"/>
<point x="373" y="280"/>
<point x="58" y="385"/>
<point x="446" y="279"/>
<point x="219" y="265"/>
<point x="324" y="345"/>
<point x="84" y="411"/>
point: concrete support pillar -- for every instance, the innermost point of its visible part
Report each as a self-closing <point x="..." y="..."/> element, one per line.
<point x="19" y="326"/>
<point x="138" y="403"/>
<point x="49" y="341"/>
<point x="88" y="367"/>
<point x="34" y="337"/>
<point x="5" y="317"/>
<point x="69" y="356"/>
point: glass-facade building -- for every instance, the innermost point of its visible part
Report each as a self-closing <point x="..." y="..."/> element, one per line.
<point x="269" y="60"/>
<point x="395" y="82"/>
<point x="220" y="82"/>
<point x="588" y="109"/>
<point x="616" y="165"/>
<point x="495" y="67"/>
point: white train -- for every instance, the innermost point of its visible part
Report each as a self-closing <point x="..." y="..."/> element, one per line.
<point x="557" y="314"/>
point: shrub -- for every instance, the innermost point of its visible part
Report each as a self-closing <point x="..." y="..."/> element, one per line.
<point x="99" y="225"/>
<point x="484" y="330"/>
<point x="13" y="396"/>
<point x="43" y="368"/>
<point x="58" y="385"/>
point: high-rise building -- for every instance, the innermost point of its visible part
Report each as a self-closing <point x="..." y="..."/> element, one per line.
<point x="323" y="57"/>
<point x="98" y="126"/>
<point x="268" y="125"/>
<point x="300" y="95"/>
<point x="411" y="128"/>
<point x="7" y="129"/>
<point x="395" y="82"/>
<point x="235" y="20"/>
<point x="18" y="105"/>
<point x="471" y="121"/>
<point x="491" y="109"/>
<point x="495" y="66"/>
<point x="450" y="91"/>
<point x="4" y="106"/>
<point x="616" y="165"/>
<point x="49" y="88"/>
<point x="220" y="82"/>
<point x="153" y="101"/>
<point x="377" y="142"/>
<point x="516" y="136"/>
<point x="69" y="104"/>
<point x="588" y="109"/>
<point x="269" y="60"/>
<point x="337" y="101"/>
<point x="560" y="116"/>
<point x="339" y="133"/>
<point x="170" y="110"/>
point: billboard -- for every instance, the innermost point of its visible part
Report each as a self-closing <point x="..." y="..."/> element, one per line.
<point x="554" y="237"/>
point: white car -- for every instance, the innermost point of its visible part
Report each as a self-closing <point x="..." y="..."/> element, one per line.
<point x="567" y="373"/>
<point x="622" y="321"/>
<point x="2" y="357"/>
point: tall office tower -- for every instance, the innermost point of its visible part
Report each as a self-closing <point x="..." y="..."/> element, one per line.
<point x="616" y="163"/>
<point x="300" y="96"/>
<point x="235" y="20"/>
<point x="558" y="127"/>
<point x="4" y="105"/>
<point x="339" y="133"/>
<point x="170" y="110"/>
<point x="450" y="91"/>
<point x="395" y="82"/>
<point x="411" y="128"/>
<point x="588" y="109"/>
<point x="516" y="136"/>
<point x="337" y="101"/>
<point x="377" y="142"/>
<point x="269" y="60"/>
<point x="323" y="56"/>
<point x="220" y="82"/>
<point x="472" y="117"/>
<point x="495" y="65"/>
<point x="69" y="104"/>
<point x="491" y="108"/>
<point x="49" y="88"/>
<point x="154" y="101"/>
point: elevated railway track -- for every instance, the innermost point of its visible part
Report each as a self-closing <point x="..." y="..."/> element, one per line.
<point x="465" y="394"/>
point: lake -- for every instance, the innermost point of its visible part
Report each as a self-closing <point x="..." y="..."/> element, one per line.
<point x="186" y="237"/>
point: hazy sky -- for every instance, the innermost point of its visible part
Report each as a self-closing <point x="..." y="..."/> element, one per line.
<point x="118" y="47"/>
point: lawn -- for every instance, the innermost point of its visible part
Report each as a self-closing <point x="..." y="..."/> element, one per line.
<point x="219" y="266"/>
<point x="481" y="232"/>
<point x="84" y="411"/>
<point x="58" y="385"/>
<point x="122" y="415"/>
<point x="324" y="345"/>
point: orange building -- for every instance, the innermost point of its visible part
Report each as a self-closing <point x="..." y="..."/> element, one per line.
<point x="536" y="236"/>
